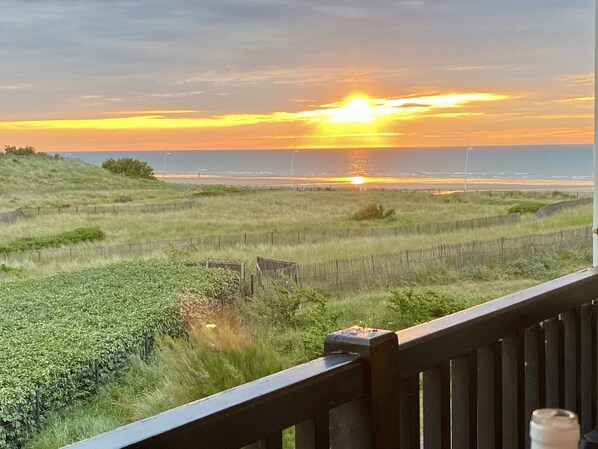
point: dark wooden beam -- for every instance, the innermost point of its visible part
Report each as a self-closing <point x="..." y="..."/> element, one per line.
<point x="430" y="344"/>
<point x="245" y="414"/>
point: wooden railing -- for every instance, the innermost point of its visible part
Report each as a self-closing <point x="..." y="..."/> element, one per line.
<point x="468" y="380"/>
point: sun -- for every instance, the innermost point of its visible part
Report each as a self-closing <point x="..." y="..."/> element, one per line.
<point x="357" y="109"/>
<point x="357" y="180"/>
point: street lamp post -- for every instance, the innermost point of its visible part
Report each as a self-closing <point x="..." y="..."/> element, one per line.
<point x="293" y="164"/>
<point x="164" y="165"/>
<point x="466" y="163"/>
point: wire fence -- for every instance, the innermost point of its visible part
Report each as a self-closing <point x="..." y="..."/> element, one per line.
<point x="20" y="418"/>
<point x="393" y="268"/>
<point x="561" y="205"/>
<point x="11" y="216"/>
<point x="29" y="212"/>
<point x="274" y="238"/>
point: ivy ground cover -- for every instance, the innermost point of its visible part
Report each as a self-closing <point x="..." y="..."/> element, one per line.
<point x="52" y="329"/>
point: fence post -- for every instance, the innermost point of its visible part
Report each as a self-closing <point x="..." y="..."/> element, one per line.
<point x="337" y="272"/>
<point x="146" y="346"/>
<point x="251" y="285"/>
<point x="242" y="280"/>
<point x="96" y="372"/>
<point x="371" y="422"/>
<point x="38" y="408"/>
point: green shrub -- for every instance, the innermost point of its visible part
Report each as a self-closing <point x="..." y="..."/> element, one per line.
<point x="539" y="266"/>
<point x="53" y="241"/>
<point x="127" y="166"/>
<point x="11" y="150"/>
<point x="9" y="270"/>
<point x="303" y="310"/>
<point x="54" y="328"/>
<point x="217" y="190"/>
<point x="418" y="305"/>
<point x="373" y="212"/>
<point x="526" y="208"/>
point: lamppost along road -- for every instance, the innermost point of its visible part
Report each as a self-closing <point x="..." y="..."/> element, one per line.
<point x="164" y="165"/>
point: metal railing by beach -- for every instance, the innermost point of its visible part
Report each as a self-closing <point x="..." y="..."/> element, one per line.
<point x="468" y="380"/>
<point x="561" y="205"/>
<point x="272" y="238"/>
<point x="394" y="268"/>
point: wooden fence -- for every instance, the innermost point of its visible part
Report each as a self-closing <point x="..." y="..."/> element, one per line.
<point x="561" y="205"/>
<point x="11" y="216"/>
<point x="29" y="212"/>
<point x="273" y="238"/>
<point x="393" y="268"/>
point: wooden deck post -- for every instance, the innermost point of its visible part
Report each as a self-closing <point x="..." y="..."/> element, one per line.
<point x="373" y="421"/>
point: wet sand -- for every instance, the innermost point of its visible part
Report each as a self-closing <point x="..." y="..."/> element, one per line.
<point x="410" y="183"/>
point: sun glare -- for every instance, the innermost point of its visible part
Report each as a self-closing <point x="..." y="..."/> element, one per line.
<point x="357" y="180"/>
<point x="355" y="110"/>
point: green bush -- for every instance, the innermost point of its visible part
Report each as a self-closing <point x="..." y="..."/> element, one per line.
<point x="373" y="212"/>
<point x="129" y="167"/>
<point x="539" y="266"/>
<point x="53" y="241"/>
<point x="303" y="310"/>
<point x="218" y="190"/>
<point x="11" y="150"/>
<point x="54" y="328"/>
<point x="526" y="208"/>
<point x="418" y="305"/>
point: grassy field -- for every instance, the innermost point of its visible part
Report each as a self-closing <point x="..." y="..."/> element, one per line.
<point x="237" y="211"/>
<point x="32" y="182"/>
<point x="251" y="339"/>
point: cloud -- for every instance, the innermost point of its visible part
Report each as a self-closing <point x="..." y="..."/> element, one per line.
<point x="580" y="79"/>
<point x="300" y="75"/>
<point x="354" y="110"/>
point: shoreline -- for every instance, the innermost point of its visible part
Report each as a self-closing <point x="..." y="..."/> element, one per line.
<point x="445" y="185"/>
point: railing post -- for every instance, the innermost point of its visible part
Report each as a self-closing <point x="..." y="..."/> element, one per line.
<point x="373" y="422"/>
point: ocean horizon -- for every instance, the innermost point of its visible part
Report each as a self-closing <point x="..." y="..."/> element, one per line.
<point x="516" y="162"/>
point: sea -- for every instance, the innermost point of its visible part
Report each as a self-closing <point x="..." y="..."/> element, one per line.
<point x="537" y="162"/>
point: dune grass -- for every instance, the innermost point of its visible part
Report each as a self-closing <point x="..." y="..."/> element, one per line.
<point x="210" y="360"/>
<point x="237" y="350"/>
<point x="305" y="253"/>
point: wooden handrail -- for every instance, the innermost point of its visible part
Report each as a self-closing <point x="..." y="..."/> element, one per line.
<point x="245" y="414"/>
<point x="432" y="343"/>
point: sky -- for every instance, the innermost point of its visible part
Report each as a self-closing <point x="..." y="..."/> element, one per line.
<point x="236" y="74"/>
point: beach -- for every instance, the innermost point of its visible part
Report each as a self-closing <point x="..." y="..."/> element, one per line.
<point x="443" y="184"/>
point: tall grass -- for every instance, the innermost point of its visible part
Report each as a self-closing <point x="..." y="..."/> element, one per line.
<point x="212" y="358"/>
<point x="209" y="360"/>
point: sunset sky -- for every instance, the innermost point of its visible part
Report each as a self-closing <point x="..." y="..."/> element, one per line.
<point x="183" y="74"/>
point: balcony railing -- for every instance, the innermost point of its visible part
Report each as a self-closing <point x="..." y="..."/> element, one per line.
<point x="468" y="380"/>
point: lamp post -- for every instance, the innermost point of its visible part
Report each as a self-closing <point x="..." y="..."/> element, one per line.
<point x="293" y="164"/>
<point x="466" y="163"/>
<point x="164" y="165"/>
